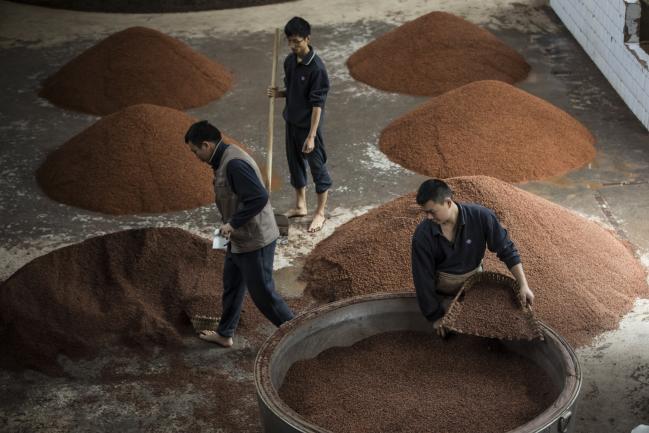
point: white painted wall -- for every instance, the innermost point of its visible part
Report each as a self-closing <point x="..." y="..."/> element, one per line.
<point x="599" y="25"/>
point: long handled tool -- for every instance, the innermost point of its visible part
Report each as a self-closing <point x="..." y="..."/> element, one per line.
<point x="282" y="220"/>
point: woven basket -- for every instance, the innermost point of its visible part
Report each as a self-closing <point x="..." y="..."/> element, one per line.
<point x="204" y="323"/>
<point x="507" y="283"/>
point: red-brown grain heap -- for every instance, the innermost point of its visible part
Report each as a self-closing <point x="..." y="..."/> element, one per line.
<point x="134" y="288"/>
<point x="433" y="54"/>
<point x="137" y="65"/>
<point x="412" y="382"/>
<point x="133" y="161"/>
<point x="493" y="310"/>
<point x="583" y="277"/>
<point x="488" y="128"/>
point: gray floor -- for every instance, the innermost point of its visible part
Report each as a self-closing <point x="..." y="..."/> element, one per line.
<point x="613" y="189"/>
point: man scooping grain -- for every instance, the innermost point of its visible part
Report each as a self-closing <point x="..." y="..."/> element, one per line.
<point x="449" y="245"/>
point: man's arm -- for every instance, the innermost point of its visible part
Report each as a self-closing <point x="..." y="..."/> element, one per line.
<point x="423" y="275"/>
<point x="525" y="293"/>
<point x="309" y="143"/>
<point x="252" y="193"/>
<point x="499" y="242"/>
<point x="317" y="97"/>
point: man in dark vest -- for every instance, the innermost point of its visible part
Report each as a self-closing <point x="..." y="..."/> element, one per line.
<point x="248" y="223"/>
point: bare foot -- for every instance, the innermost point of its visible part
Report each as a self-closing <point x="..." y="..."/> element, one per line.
<point x="215" y="337"/>
<point x="296" y="212"/>
<point x="317" y="223"/>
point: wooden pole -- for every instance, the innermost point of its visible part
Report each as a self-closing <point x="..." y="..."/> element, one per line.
<point x="271" y="114"/>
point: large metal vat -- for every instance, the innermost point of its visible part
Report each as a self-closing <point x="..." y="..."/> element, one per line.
<point x="346" y="322"/>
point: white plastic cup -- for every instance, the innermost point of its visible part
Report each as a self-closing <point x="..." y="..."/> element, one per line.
<point x="219" y="242"/>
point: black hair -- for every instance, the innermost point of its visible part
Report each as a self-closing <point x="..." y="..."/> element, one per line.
<point x="297" y="27"/>
<point x="202" y="131"/>
<point x="435" y="190"/>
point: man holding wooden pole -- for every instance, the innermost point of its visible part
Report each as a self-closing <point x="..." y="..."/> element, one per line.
<point x="306" y="86"/>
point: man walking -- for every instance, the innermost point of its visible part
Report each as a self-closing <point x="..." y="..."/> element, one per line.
<point x="248" y="223"/>
<point x="306" y="85"/>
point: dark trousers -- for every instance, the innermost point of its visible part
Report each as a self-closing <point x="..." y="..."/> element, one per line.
<point x="297" y="160"/>
<point x="253" y="270"/>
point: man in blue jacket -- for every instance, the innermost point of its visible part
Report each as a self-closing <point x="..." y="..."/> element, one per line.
<point x="449" y="245"/>
<point x="306" y="85"/>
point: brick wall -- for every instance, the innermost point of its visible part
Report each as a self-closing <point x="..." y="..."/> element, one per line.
<point x="599" y="26"/>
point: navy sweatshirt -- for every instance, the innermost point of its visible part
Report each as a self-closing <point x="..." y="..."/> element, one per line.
<point x="246" y="184"/>
<point x="477" y="229"/>
<point x="307" y="84"/>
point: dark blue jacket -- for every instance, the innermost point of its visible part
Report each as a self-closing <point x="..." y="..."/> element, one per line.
<point x="477" y="229"/>
<point x="307" y="84"/>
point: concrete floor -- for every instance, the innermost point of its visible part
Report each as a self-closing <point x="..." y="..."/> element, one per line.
<point x="35" y="42"/>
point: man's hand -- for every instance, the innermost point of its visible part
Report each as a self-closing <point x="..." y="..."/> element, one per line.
<point x="526" y="295"/>
<point x="274" y="92"/>
<point x="439" y="329"/>
<point x="309" y="144"/>
<point x="226" y="230"/>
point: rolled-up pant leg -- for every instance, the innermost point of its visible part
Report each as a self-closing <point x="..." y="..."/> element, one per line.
<point x="317" y="160"/>
<point x="297" y="160"/>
